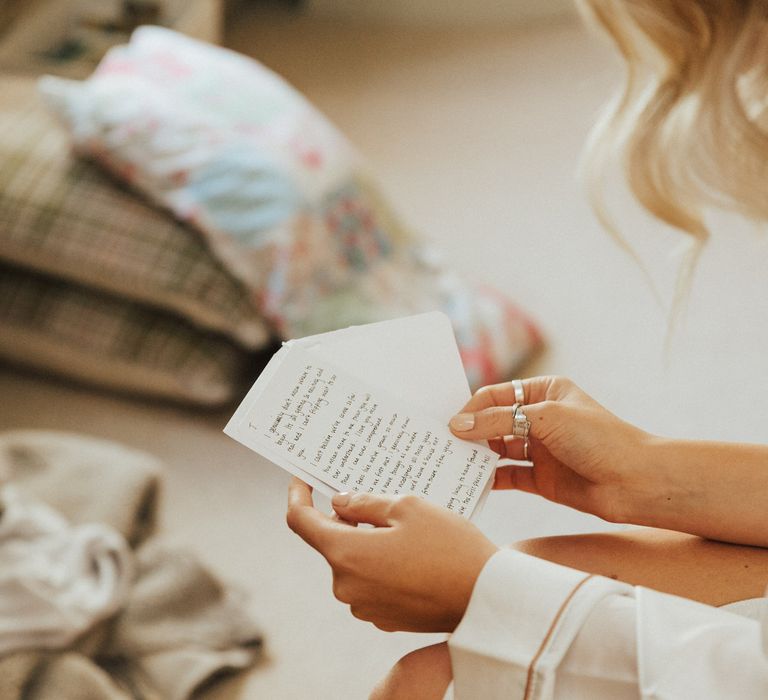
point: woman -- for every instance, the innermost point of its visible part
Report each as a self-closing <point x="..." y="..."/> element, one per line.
<point x="650" y="612"/>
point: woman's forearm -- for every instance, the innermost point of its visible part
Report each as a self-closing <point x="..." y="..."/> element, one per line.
<point x="712" y="489"/>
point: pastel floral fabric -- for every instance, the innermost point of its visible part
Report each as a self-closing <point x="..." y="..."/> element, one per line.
<point x="281" y="197"/>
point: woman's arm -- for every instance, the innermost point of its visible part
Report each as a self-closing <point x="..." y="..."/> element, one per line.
<point x="528" y="627"/>
<point x="711" y="489"/>
<point x="714" y="573"/>
<point x="585" y="457"/>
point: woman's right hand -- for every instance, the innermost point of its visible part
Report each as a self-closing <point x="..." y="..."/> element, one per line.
<point x="583" y="456"/>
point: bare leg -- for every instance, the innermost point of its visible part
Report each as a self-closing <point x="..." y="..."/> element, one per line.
<point x="710" y="572"/>
<point x="423" y="674"/>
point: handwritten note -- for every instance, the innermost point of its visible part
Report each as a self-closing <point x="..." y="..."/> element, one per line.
<point x="340" y="433"/>
<point x="356" y="438"/>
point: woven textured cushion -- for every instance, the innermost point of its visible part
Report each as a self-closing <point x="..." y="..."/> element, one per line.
<point x="281" y="196"/>
<point x="63" y="216"/>
<point x="56" y="326"/>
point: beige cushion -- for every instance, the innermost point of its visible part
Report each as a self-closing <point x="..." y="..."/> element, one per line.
<point x="99" y="286"/>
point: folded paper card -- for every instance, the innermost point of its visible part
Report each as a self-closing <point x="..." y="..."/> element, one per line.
<point x="366" y="409"/>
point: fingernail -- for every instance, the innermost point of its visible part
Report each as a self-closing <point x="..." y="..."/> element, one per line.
<point x="463" y="421"/>
<point x="341" y="499"/>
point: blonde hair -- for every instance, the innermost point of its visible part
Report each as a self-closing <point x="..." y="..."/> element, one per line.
<point x="687" y="123"/>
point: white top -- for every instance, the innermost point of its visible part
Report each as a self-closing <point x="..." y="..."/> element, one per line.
<point x="535" y="630"/>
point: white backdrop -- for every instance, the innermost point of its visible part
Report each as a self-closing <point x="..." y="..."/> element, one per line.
<point x="445" y="12"/>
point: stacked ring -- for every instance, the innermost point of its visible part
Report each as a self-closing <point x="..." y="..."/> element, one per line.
<point x="521" y="426"/>
<point x="517" y="385"/>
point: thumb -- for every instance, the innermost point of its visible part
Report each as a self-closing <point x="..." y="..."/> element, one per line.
<point x="363" y="508"/>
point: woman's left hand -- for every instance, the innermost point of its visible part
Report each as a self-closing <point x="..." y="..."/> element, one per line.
<point x="414" y="571"/>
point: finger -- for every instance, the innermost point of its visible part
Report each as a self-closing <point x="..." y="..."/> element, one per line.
<point x="497" y="445"/>
<point x="305" y="520"/>
<point x="535" y="389"/>
<point x="486" y="424"/>
<point x="364" y="508"/>
<point x="572" y="490"/>
<point x="497" y="421"/>
<point x="515" y="477"/>
<point x="299" y="493"/>
<point x="336" y="518"/>
<point x="509" y="447"/>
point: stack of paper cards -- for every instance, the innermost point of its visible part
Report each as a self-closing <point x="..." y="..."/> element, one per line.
<point x="366" y="409"/>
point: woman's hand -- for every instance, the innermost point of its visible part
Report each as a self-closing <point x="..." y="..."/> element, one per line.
<point x="414" y="571"/>
<point x="583" y="455"/>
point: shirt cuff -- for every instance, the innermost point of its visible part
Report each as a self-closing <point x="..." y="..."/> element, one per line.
<point x="521" y="619"/>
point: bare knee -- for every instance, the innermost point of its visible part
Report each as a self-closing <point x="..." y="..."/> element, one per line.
<point x="424" y="674"/>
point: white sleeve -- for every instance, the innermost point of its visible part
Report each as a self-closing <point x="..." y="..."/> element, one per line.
<point x="535" y="630"/>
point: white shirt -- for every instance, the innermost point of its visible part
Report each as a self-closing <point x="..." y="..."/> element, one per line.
<point x="535" y="630"/>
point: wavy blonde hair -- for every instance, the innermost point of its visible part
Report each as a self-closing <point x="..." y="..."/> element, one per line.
<point x="687" y="124"/>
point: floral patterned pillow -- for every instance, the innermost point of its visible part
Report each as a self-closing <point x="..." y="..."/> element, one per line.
<point x="282" y="198"/>
<point x="62" y="216"/>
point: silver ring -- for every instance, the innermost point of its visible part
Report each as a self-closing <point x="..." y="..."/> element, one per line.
<point x="525" y="450"/>
<point x="517" y="385"/>
<point x="521" y="426"/>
